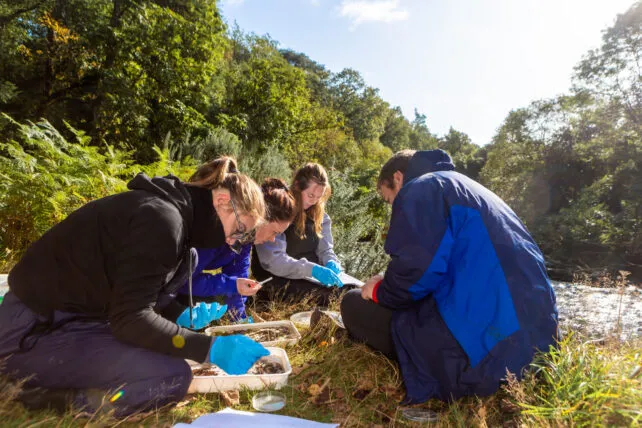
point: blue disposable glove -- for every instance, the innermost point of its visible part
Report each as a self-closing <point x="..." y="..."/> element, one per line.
<point x="247" y="320"/>
<point x="202" y="315"/>
<point x="236" y="354"/>
<point x="333" y="266"/>
<point x="325" y="276"/>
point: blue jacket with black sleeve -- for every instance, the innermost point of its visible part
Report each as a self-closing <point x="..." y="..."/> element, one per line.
<point x="206" y="285"/>
<point x="466" y="282"/>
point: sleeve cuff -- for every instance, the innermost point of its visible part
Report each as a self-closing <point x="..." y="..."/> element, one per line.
<point x="230" y="285"/>
<point x="374" y="291"/>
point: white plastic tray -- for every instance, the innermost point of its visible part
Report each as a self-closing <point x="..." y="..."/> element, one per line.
<point x="207" y="384"/>
<point x="293" y="332"/>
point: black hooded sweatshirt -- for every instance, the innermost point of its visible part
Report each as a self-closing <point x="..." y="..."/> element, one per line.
<point x="118" y="257"/>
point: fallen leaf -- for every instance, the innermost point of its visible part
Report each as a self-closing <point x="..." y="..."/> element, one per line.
<point x="314" y="389"/>
<point x="361" y="393"/>
<point x="322" y="396"/>
<point x="231" y="398"/>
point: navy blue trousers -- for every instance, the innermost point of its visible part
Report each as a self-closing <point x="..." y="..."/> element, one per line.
<point x="83" y="355"/>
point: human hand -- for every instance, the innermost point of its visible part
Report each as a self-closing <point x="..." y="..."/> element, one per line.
<point x="236" y="354"/>
<point x="202" y="315"/>
<point x="334" y="266"/>
<point x="368" y="288"/>
<point x="247" y="287"/>
<point x="325" y="276"/>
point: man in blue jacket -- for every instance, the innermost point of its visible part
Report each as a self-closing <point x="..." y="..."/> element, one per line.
<point x="465" y="297"/>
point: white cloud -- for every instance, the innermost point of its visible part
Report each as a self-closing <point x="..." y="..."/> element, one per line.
<point x="360" y="11"/>
<point x="315" y="2"/>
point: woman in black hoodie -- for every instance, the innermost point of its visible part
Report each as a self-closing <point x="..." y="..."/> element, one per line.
<point x="91" y="308"/>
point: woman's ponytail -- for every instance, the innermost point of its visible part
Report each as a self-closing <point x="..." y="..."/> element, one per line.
<point x="279" y="202"/>
<point x="223" y="173"/>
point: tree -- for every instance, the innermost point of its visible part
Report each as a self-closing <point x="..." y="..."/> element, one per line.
<point x="128" y="71"/>
<point x="363" y="109"/>
<point x="421" y="138"/>
<point x="267" y="101"/>
<point x="467" y="156"/>
<point x="397" y="130"/>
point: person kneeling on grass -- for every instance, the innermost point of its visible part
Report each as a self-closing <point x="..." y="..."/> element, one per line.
<point x="231" y="284"/>
<point x="91" y="309"/>
<point x="465" y="297"/>
<point x="302" y="260"/>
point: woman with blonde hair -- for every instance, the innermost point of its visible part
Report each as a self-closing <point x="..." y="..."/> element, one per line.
<point x="301" y="259"/>
<point x="91" y="309"/>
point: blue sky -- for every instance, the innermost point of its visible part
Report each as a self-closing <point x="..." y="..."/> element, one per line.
<point x="462" y="63"/>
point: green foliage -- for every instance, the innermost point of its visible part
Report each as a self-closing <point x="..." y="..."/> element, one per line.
<point x="468" y="157"/>
<point x="217" y="142"/>
<point x="267" y="99"/>
<point x="262" y="164"/>
<point x="571" y="166"/>
<point x="581" y="384"/>
<point x="124" y="71"/>
<point x="364" y="110"/>
<point x="356" y="226"/>
<point x="44" y="178"/>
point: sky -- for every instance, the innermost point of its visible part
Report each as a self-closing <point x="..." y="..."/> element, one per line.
<point x="463" y="63"/>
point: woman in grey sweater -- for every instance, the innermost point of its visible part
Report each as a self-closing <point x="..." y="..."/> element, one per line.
<point x="301" y="260"/>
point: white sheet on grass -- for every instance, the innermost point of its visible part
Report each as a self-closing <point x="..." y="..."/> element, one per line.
<point x="236" y="418"/>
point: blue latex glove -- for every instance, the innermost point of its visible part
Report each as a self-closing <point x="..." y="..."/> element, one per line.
<point x="325" y="276"/>
<point x="202" y="314"/>
<point x="333" y="266"/>
<point x="248" y="320"/>
<point x="236" y="354"/>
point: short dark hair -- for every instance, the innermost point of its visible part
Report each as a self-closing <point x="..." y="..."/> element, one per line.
<point x="398" y="162"/>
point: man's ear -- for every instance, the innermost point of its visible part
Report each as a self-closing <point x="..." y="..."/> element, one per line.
<point x="397" y="179"/>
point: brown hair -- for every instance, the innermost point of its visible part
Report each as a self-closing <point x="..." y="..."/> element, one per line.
<point x="398" y="162"/>
<point x="306" y="175"/>
<point x="279" y="202"/>
<point x="223" y="173"/>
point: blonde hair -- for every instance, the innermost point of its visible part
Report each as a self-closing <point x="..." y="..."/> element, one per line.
<point x="223" y="173"/>
<point x="306" y="175"/>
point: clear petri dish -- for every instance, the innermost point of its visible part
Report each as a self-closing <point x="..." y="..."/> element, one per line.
<point x="268" y="401"/>
<point x="420" y="415"/>
<point x="302" y="318"/>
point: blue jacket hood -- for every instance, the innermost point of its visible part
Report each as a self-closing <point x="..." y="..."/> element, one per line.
<point x="426" y="161"/>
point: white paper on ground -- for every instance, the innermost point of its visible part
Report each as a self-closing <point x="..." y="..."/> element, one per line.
<point x="345" y="278"/>
<point x="236" y="418"/>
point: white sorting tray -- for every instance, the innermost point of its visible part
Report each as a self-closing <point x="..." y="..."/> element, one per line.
<point x="207" y="384"/>
<point x="293" y="332"/>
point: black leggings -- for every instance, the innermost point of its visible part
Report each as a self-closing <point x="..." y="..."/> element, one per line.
<point x="368" y="322"/>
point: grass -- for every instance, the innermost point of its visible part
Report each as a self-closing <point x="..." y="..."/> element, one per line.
<point x="582" y="383"/>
